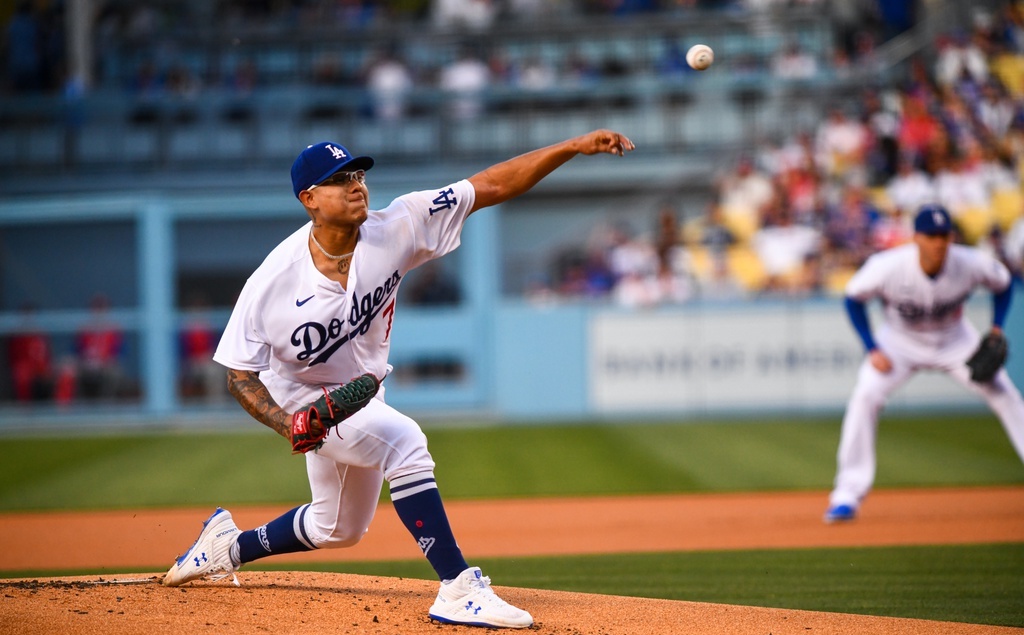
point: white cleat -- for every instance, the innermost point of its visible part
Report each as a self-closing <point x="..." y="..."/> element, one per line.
<point x="469" y="600"/>
<point x="210" y="556"/>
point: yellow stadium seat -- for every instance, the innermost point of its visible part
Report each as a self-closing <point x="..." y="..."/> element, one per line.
<point x="1009" y="68"/>
<point x="879" y="197"/>
<point x="742" y="223"/>
<point x="1007" y="207"/>
<point x="701" y="260"/>
<point x="975" y="223"/>
<point x="835" y="281"/>
<point x="746" y="267"/>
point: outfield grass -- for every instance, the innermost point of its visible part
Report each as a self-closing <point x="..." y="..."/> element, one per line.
<point x="977" y="584"/>
<point x="179" y="469"/>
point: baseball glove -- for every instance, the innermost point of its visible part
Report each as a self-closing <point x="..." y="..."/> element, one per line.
<point x="989" y="358"/>
<point x="311" y="424"/>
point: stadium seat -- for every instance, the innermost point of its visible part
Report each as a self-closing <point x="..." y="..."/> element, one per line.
<point x="743" y="223"/>
<point x="974" y="223"/>
<point x="746" y="267"/>
<point x="1007" y="206"/>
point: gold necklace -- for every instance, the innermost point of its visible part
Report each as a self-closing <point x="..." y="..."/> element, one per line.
<point x="324" y="251"/>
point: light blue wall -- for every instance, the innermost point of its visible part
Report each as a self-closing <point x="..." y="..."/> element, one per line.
<point x="523" y="361"/>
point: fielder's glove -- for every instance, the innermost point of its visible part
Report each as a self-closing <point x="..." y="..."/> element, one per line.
<point x="989" y="358"/>
<point x="311" y="424"/>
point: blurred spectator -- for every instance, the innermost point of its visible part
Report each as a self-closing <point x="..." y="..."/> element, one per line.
<point x="630" y="256"/>
<point x="995" y="109"/>
<point x="433" y="286"/>
<point x="465" y="79"/>
<point x="672" y="60"/>
<point x="960" y="186"/>
<point x="743" y="195"/>
<point x="883" y="124"/>
<point x="848" y="227"/>
<point x="794" y="63"/>
<point x="99" y="346"/>
<point x="911" y="187"/>
<point x="389" y="81"/>
<point x="919" y="130"/>
<point x="475" y="15"/>
<point x="719" y="283"/>
<point x="536" y="75"/>
<point x="201" y="377"/>
<point x="959" y="57"/>
<point x="715" y="236"/>
<point x="29" y="358"/>
<point x="782" y="246"/>
<point x="841" y="145"/>
<point x="24" y="49"/>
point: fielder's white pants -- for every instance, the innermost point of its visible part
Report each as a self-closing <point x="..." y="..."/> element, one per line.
<point x="346" y="474"/>
<point x="855" y="459"/>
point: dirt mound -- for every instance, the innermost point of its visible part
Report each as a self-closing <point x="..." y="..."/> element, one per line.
<point x="322" y="603"/>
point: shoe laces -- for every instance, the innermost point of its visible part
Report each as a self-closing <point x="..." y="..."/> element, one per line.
<point x="483" y="586"/>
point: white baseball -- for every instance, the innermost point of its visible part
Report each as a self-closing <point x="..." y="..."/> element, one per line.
<point x="700" y="56"/>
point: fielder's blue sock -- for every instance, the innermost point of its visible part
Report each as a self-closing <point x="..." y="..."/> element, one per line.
<point x="419" y="505"/>
<point x="285" y="534"/>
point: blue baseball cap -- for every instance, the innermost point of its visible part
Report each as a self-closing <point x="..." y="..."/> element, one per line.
<point x="319" y="161"/>
<point x="933" y="220"/>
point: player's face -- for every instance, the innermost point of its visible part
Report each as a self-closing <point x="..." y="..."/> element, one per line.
<point x="932" y="250"/>
<point x="343" y="198"/>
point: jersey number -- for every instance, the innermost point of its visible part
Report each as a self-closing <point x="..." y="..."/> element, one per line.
<point x="389" y="313"/>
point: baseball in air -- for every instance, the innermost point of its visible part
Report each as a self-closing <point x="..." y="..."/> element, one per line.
<point x="700" y="56"/>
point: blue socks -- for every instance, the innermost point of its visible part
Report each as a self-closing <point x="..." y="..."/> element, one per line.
<point x="285" y="534"/>
<point x="419" y="505"/>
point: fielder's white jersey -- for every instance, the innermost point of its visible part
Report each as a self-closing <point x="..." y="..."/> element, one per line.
<point x="917" y="305"/>
<point x="301" y="330"/>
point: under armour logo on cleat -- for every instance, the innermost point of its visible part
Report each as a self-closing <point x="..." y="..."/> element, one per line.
<point x="473" y="609"/>
<point x="203" y="556"/>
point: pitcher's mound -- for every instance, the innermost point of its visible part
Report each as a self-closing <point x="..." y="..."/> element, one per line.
<point x="309" y="603"/>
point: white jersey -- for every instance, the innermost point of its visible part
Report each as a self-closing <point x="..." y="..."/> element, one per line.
<point x="918" y="305"/>
<point x="301" y="330"/>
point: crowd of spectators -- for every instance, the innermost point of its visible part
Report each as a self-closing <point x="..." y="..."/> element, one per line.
<point x="798" y="215"/>
<point x="147" y="48"/>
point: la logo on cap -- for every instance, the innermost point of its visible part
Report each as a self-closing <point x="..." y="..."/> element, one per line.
<point x="337" y="153"/>
<point x="938" y="219"/>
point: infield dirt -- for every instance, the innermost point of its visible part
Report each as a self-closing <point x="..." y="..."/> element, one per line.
<point x="312" y="603"/>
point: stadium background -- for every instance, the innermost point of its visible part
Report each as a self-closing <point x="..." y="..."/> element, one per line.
<point x="143" y="170"/>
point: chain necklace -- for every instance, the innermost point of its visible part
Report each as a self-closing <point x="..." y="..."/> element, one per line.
<point x="324" y="251"/>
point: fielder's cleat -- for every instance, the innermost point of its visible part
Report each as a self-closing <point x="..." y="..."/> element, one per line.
<point x="469" y="600"/>
<point x="210" y="556"/>
<point x="840" y="514"/>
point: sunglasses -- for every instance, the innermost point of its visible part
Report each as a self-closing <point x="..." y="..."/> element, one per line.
<point x="341" y="178"/>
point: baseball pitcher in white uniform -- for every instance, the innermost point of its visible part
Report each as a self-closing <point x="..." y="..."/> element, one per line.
<point x="319" y="312"/>
<point x="923" y="286"/>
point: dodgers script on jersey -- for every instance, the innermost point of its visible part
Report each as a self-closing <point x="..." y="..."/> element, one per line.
<point x="917" y="305"/>
<point x="324" y="334"/>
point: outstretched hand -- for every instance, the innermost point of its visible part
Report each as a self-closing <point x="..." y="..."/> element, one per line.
<point x="605" y="141"/>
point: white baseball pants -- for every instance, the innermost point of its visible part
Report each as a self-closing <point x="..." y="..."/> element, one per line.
<point x="346" y="474"/>
<point x="856" y="461"/>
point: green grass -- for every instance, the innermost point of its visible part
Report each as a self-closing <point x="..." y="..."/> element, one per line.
<point x="976" y="584"/>
<point x="979" y="584"/>
<point x="179" y="469"/>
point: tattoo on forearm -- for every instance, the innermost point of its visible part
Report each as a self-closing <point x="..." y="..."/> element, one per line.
<point x="254" y="397"/>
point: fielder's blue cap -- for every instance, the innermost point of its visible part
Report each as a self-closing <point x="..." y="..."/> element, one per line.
<point x="319" y="161"/>
<point x="933" y="220"/>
